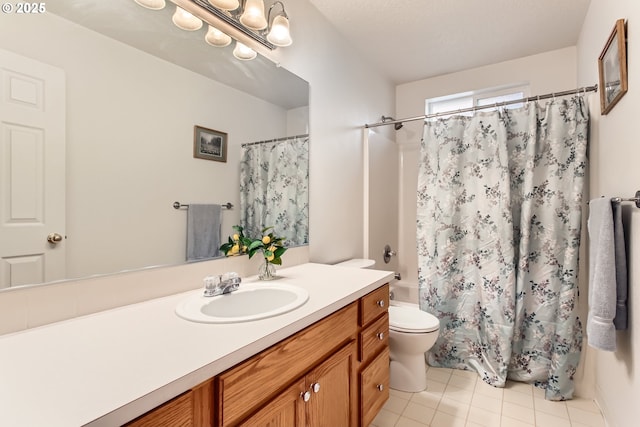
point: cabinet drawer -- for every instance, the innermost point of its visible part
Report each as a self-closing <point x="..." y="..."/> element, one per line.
<point x="374" y="338"/>
<point x="374" y="387"/>
<point x="247" y="386"/>
<point x="374" y="304"/>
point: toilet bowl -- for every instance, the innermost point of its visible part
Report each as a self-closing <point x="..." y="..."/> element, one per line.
<point x="412" y="332"/>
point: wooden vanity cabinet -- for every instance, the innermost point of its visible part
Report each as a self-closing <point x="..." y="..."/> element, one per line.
<point x="333" y="373"/>
<point x="253" y="385"/>
<point x="373" y="371"/>
<point x="322" y="398"/>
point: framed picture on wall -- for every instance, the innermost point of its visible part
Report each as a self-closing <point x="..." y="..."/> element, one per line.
<point x="612" y="68"/>
<point x="209" y="144"/>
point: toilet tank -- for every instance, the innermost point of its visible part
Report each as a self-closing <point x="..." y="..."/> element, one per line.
<point x="357" y="263"/>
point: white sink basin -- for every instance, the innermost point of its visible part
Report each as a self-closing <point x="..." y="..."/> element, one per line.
<point x="250" y="302"/>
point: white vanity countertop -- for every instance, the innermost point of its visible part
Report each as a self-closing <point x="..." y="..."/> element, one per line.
<point x="110" y="367"/>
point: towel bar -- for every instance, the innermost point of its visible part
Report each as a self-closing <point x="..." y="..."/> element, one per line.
<point x="633" y="199"/>
<point x="178" y="205"/>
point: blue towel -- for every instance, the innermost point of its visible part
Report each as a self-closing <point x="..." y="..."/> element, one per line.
<point x="620" y="321"/>
<point x="602" y="276"/>
<point x="203" y="231"/>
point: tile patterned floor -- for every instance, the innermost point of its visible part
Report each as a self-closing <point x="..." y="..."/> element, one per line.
<point x="456" y="398"/>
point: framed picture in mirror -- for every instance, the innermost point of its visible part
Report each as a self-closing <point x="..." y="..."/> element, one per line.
<point x="209" y="144"/>
<point x="612" y="68"/>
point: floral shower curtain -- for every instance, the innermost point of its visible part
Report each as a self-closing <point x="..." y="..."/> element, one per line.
<point x="274" y="189"/>
<point x="499" y="217"/>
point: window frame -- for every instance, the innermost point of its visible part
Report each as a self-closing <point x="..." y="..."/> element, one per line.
<point x="475" y="96"/>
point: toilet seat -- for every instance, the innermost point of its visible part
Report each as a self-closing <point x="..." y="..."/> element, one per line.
<point x="412" y="320"/>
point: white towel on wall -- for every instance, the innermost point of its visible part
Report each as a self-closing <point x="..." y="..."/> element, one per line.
<point x="203" y="231"/>
<point x="602" y="276"/>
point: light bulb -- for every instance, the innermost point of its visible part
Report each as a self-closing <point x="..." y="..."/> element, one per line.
<point x="279" y="34"/>
<point x="244" y="53"/>
<point x="253" y="15"/>
<point x="217" y="38"/>
<point x="152" y="4"/>
<point x="225" y="4"/>
<point x="186" y="21"/>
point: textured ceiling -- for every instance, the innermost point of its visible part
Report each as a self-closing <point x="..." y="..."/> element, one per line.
<point x="410" y="40"/>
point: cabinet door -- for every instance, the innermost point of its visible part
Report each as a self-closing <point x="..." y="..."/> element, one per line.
<point x="285" y="410"/>
<point x="332" y="390"/>
<point x="191" y="409"/>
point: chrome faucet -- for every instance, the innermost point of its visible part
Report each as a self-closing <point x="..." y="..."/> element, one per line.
<point x="222" y="284"/>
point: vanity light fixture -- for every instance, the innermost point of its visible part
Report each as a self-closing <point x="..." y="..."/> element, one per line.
<point x="225" y="4"/>
<point x="152" y="4"/>
<point x="242" y="20"/>
<point x="185" y="20"/>
<point x="253" y="15"/>
<point x="243" y="52"/>
<point x="279" y="33"/>
<point x="217" y="38"/>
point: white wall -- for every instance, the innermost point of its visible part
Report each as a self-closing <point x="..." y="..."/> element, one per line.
<point x="545" y="73"/>
<point x="130" y="119"/>
<point x="614" y="171"/>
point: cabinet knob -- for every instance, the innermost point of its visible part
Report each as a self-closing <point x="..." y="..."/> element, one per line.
<point x="315" y="387"/>
<point x="306" y="395"/>
<point x="380" y="387"/>
<point x="380" y="303"/>
<point x="380" y="335"/>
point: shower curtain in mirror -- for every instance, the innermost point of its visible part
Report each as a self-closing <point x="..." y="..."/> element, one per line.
<point x="274" y="189"/>
<point x="499" y="217"/>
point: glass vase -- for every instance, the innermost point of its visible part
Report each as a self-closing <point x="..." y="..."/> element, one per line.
<point x="267" y="271"/>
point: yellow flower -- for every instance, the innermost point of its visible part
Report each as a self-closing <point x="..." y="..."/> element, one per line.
<point x="235" y="249"/>
<point x="272" y="248"/>
<point x="236" y="237"/>
<point x="271" y="257"/>
<point x="266" y="239"/>
<point x="244" y="249"/>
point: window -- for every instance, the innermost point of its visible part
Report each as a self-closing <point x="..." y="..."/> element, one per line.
<point x="460" y="101"/>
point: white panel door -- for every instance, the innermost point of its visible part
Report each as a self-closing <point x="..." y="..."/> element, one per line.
<point x="32" y="171"/>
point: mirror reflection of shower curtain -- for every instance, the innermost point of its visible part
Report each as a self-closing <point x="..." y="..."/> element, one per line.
<point x="274" y="189"/>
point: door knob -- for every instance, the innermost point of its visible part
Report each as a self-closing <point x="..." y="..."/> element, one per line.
<point x="380" y="335"/>
<point x="306" y="395"/>
<point x="315" y="387"/>
<point x="54" y="238"/>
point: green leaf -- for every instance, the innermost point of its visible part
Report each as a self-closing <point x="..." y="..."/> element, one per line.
<point x="255" y="244"/>
<point x="276" y="261"/>
<point x="279" y="251"/>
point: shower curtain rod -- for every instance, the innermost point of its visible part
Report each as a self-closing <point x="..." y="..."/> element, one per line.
<point x="284" y="138"/>
<point x="497" y="104"/>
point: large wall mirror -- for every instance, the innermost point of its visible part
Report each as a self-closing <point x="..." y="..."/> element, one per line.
<point x="131" y="88"/>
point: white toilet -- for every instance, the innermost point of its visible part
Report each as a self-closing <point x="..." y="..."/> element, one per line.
<point x="412" y="332"/>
